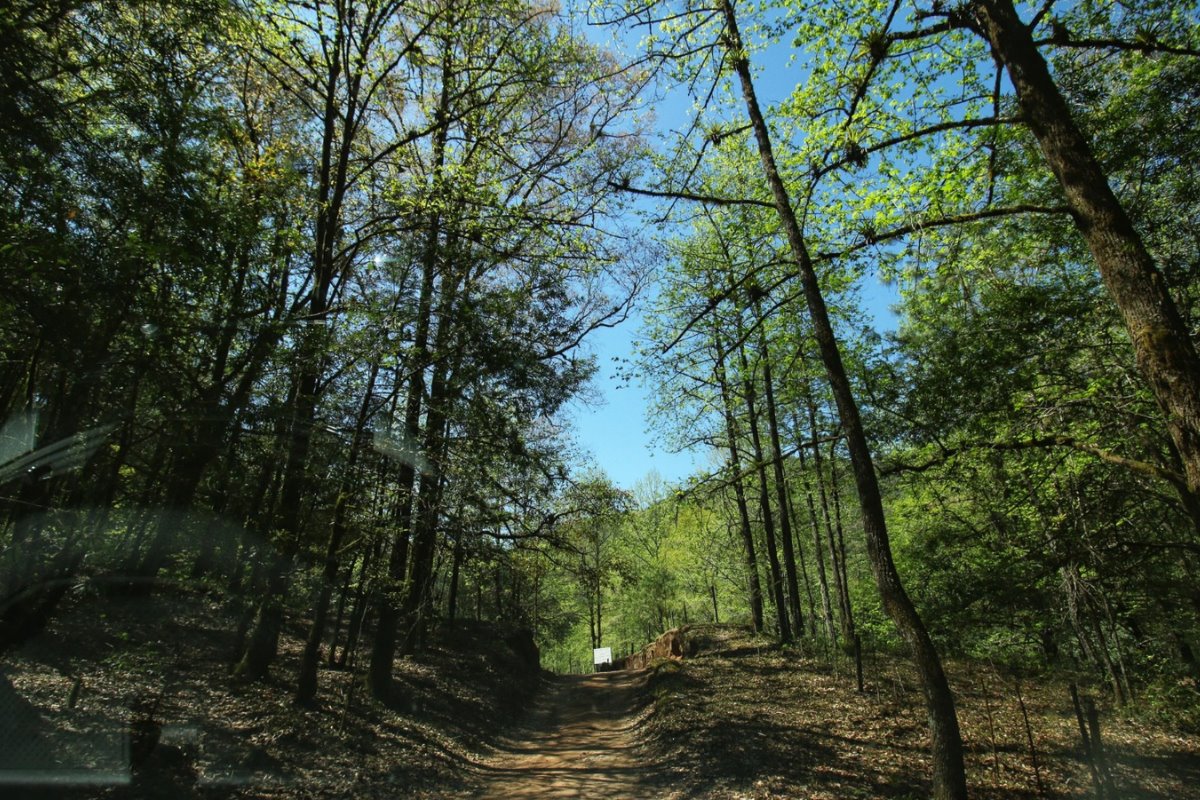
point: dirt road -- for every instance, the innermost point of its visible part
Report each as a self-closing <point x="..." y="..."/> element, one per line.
<point x="577" y="743"/>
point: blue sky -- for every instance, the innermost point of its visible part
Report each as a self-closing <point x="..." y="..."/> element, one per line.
<point x="616" y="432"/>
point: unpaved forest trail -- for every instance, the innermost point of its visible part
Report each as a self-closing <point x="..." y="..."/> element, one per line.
<point x="578" y="742"/>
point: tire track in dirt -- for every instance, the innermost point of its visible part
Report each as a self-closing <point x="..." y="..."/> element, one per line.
<point x="579" y="742"/>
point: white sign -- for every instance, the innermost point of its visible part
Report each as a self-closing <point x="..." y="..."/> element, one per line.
<point x="602" y="655"/>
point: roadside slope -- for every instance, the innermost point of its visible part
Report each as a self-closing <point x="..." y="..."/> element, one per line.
<point x="115" y="680"/>
<point x="744" y="719"/>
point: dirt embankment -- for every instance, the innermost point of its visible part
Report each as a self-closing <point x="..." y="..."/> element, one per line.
<point x="671" y="645"/>
<point x="131" y="698"/>
<point x="742" y="718"/>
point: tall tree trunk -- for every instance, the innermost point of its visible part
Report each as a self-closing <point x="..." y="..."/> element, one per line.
<point x="514" y="595"/>
<point x="260" y="508"/>
<point x="781" y="486"/>
<point x="537" y="596"/>
<point x="208" y="559"/>
<point x="840" y="562"/>
<point x="362" y="604"/>
<point x="739" y="487"/>
<point x="498" y="590"/>
<point x="419" y="594"/>
<point x="803" y="563"/>
<point x="599" y="614"/>
<point x="336" y="144"/>
<point x="816" y="525"/>
<point x="264" y="637"/>
<point x="306" y="684"/>
<point x="379" y="674"/>
<point x="455" y="568"/>
<point x="592" y="624"/>
<point x="419" y="591"/>
<point x="764" y="500"/>
<point x="818" y="549"/>
<point x="339" y="615"/>
<point x="1162" y="343"/>
<point x="949" y="775"/>
<point x="387" y="590"/>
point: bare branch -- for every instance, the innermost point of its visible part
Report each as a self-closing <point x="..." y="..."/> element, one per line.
<point x="699" y="198"/>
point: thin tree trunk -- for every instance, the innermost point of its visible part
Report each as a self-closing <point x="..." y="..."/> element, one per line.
<point x="264" y="637"/>
<point x="827" y="516"/>
<point x="599" y="609"/>
<point x="306" y="685"/>
<point x="804" y="577"/>
<point x="1115" y="636"/>
<point x="1114" y="678"/>
<point x="781" y="486"/>
<point x="498" y="590"/>
<point x="739" y="489"/>
<point x="452" y="601"/>
<point x="339" y="615"/>
<point x="207" y="560"/>
<point x="362" y="604"/>
<point x="313" y="341"/>
<point x="379" y="672"/>
<point x="419" y="592"/>
<point x="264" y="498"/>
<point x="383" y="653"/>
<point x="949" y="774"/>
<point x="514" y="595"/>
<point x="819" y="552"/>
<point x="844" y="582"/>
<point x="764" y="502"/>
<point x="1037" y="772"/>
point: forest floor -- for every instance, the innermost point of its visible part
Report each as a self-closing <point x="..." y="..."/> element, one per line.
<point x="737" y="718"/>
<point x="744" y="719"/>
<point x="112" y="672"/>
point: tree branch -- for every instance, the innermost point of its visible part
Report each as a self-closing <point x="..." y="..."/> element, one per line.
<point x="699" y="198"/>
<point x="1147" y="46"/>
<point x="1137" y="466"/>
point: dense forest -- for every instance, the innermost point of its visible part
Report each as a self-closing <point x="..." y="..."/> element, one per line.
<point x="296" y="297"/>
